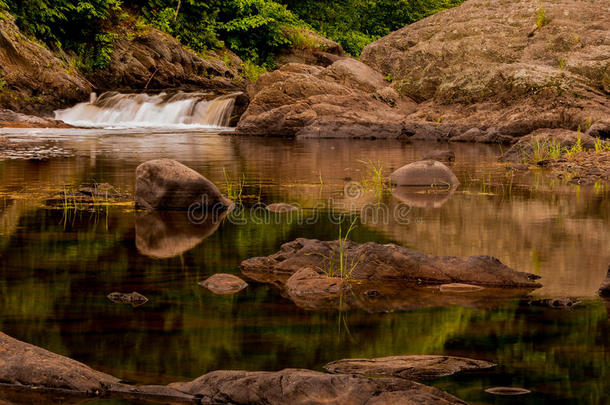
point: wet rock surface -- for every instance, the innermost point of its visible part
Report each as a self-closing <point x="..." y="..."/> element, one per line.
<point x="584" y="168"/>
<point x="604" y="289"/>
<point x="417" y="367"/>
<point x="390" y="262"/>
<point x="424" y="173"/>
<point x="311" y="290"/>
<point x="38" y="370"/>
<point x="296" y="386"/>
<point x="165" y="184"/>
<point x="9" y="118"/>
<point x="224" y="284"/>
<point x="134" y="299"/>
<point x="524" y="149"/>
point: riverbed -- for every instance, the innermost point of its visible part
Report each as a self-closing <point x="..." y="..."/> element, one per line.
<point x="58" y="263"/>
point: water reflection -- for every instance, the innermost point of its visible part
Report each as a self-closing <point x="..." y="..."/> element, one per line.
<point x="55" y="275"/>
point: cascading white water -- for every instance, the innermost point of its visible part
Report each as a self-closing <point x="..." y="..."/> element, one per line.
<point x="114" y="109"/>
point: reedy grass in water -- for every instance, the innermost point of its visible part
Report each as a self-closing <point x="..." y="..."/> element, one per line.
<point x="234" y="189"/>
<point x="374" y="180"/>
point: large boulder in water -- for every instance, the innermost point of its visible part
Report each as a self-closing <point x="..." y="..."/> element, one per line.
<point x="390" y="262"/>
<point x="424" y="173"/>
<point x="165" y="184"/>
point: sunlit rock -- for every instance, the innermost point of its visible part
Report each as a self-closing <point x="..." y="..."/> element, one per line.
<point x="224" y="284"/>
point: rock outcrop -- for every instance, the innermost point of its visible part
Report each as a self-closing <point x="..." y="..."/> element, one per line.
<point x="165" y="184"/>
<point x="310" y="48"/>
<point x="9" y="118"/>
<point x="416" y="367"/>
<point x="30" y="367"/>
<point x="537" y="142"/>
<point x="32" y="78"/>
<point x="223" y="284"/>
<point x="347" y="99"/>
<point x="424" y="173"/>
<point x="390" y="262"/>
<point x="501" y="69"/>
<point x="295" y="386"/>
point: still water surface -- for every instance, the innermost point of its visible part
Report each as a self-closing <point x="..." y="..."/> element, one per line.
<point x="57" y="267"/>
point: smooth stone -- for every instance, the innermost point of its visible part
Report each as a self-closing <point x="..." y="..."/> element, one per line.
<point x="507" y="391"/>
<point x="281" y="207"/>
<point x="416" y="367"/>
<point x="165" y="184"/>
<point x="135" y="299"/>
<point x="424" y="173"/>
<point x="223" y="284"/>
<point x="459" y="288"/>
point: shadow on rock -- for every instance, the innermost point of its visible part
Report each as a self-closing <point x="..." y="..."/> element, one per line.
<point x="165" y="234"/>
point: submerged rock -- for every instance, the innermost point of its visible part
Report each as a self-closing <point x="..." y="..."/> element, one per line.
<point x="311" y="290"/>
<point x="301" y="387"/>
<point x="224" y="284"/>
<point x="163" y="234"/>
<point x="390" y="262"/>
<point x="417" y="367"/>
<point x="135" y="299"/>
<point x="281" y="207"/>
<point x="558" y="303"/>
<point x="165" y="184"/>
<point x="424" y="173"/>
<point x="507" y="391"/>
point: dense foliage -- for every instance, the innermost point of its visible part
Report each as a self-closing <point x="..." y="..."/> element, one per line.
<point x="254" y="29"/>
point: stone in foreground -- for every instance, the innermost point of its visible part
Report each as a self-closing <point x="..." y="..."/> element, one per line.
<point x="224" y="284"/>
<point x="390" y="262"/>
<point x="424" y="173"/>
<point x="421" y="367"/>
<point x="165" y="184"/>
<point x="300" y="387"/>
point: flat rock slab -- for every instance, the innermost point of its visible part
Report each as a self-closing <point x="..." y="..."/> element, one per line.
<point x="300" y="387"/>
<point x="390" y="262"/>
<point x="224" y="284"/>
<point x="422" y="367"/>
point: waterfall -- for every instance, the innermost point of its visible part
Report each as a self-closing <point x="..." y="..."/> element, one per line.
<point x="113" y="109"/>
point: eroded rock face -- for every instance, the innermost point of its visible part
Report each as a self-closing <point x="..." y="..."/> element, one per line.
<point x="36" y="80"/>
<point x="419" y="367"/>
<point x="298" y="387"/>
<point x="224" y="284"/>
<point x="165" y="184"/>
<point x="424" y="173"/>
<point x="390" y="262"/>
<point x="347" y="99"/>
<point x="485" y="66"/>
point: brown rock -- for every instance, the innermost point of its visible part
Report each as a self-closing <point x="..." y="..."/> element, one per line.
<point x="135" y="299"/>
<point x="311" y="290"/>
<point x="424" y="173"/>
<point x="523" y="150"/>
<point x="390" y="262"/>
<point x="459" y="288"/>
<point x="481" y="65"/>
<point x="165" y="184"/>
<point x="419" y="367"/>
<point x="281" y="207"/>
<point x="224" y="284"/>
<point x="440" y="155"/>
<point x="298" y="387"/>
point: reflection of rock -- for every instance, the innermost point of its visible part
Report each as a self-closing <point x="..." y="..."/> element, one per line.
<point x="134" y="299"/>
<point x="604" y="289"/>
<point x="281" y="207"/>
<point x="311" y="290"/>
<point x="36" y="369"/>
<point x="424" y="173"/>
<point x="299" y="387"/>
<point x="224" y="284"/>
<point x="440" y="155"/>
<point x="559" y="303"/>
<point x="459" y="288"/>
<point x="165" y="184"/>
<point x="419" y="367"/>
<point x="423" y="197"/>
<point x="507" y="391"/>
<point x="390" y="262"/>
<point x="167" y="234"/>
